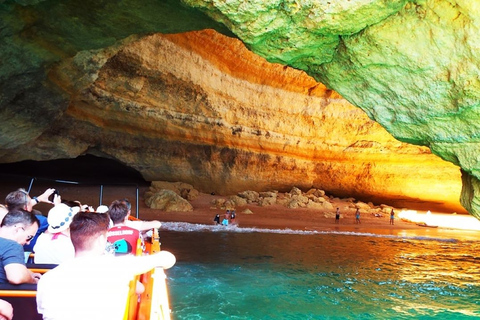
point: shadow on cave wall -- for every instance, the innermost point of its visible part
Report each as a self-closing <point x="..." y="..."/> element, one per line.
<point x="84" y="169"/>
<point x="89" y="179"/>
<point x="89" y="171"/>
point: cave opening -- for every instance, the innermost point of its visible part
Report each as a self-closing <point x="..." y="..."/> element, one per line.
<point x="91" y="180"/>
<point x="86" y="169"/>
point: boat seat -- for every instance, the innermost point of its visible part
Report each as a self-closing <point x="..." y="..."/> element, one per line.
<point x="40" y="267"/>
<point x="23" y="299"/>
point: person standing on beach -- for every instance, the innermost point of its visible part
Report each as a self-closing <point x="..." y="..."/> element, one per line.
<point x="217" y="219"/>
<point x="226" y="217"/>
<point x="392" y="217"/>
<point x="337" y="216"/>
<point x="357" y="216"/>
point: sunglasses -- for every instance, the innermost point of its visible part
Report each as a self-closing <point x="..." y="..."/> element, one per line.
<point x="29" y="237"/>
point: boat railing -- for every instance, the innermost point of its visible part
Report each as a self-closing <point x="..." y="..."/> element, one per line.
<point x="153" y="302"/>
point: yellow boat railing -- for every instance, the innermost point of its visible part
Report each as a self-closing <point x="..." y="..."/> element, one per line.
<point x="153" y="303"/>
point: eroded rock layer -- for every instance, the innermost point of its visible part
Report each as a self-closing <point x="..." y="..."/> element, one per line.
<point x="200" y="108"/>
<point x="411" y="65"/>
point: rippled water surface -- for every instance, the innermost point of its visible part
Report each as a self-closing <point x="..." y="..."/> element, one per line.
<point x="282" y="274"/>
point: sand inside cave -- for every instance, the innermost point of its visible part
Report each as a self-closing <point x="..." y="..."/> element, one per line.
<point x="273" y="216"/>
<point x="90" y="168"/>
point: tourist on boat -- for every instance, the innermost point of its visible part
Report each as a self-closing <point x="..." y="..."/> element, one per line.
<point x="20" y="199"/>
<point x="93" y="285"/>
<point x="54" y="245"/>
<point x="18" y="228"/>
<point x="123" y="237"/>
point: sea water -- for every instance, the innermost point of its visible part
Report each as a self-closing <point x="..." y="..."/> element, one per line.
<point x="247" y="273"/>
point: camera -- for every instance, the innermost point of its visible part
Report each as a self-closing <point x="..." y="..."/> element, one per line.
<point x="52" y="196"/>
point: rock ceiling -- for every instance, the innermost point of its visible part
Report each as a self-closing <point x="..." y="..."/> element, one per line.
<point x="141" y="85"/>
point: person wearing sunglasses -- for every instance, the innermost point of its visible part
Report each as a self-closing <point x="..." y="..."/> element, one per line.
<point x="20" y="199"/>
<point x="18" y="227"/>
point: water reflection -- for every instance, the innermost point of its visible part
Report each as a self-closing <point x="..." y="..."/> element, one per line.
<point x="257" y="275"/>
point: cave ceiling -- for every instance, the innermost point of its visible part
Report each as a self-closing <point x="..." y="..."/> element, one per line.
<point x="411" y="66"/>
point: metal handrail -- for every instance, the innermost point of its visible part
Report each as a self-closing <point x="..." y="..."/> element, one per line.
<point x="32" y="180"/>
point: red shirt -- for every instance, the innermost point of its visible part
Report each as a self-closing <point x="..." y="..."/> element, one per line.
<point x="123" y="238"/>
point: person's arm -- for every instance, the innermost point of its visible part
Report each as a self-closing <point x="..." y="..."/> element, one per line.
<point x="147" y="225"/>
<point x="43" y="197"/>
<point x="18" y="273"/>
<point x="6" y="310"/>
<point x="142" y="264"/>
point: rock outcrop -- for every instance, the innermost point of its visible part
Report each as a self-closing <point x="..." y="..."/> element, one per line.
<point x="295" y="198"/>
<point x="166" y="200"/>
<point x="200" y="108"/>
<point x="413" y="66"/>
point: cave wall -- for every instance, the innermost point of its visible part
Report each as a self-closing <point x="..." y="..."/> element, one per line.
<point x="412" y="66"/>
<point x="198" y="107"/>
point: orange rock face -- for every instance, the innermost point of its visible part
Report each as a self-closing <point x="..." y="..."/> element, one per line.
<point x="200" y="108"/>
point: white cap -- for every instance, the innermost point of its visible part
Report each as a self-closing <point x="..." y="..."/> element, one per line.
<point x="102" y="209"/>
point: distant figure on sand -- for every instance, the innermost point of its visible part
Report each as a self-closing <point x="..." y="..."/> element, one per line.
<point x="357" y="216"/>
<point x="392" y="217"/>
<point x="226" y="217"/>
<point x="337" y="216"/>
<point x="232" y="216"/>
<point x="217" y="219"/>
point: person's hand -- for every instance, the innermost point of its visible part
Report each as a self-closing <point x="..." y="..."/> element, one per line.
<point x="6" y="310"/>
<point x="165" y="260"/>
<point x="44" y="196"/>
<point x="36" y="277"/>
<point x="57" y="199"/>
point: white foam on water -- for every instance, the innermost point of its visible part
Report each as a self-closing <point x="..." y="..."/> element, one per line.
<point x="191" y="227"/>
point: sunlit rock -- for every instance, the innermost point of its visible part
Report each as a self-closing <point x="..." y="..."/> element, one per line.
<point x="198" y="107"/>
<point x="413" y="66"/>
<point x="166" y="200"/>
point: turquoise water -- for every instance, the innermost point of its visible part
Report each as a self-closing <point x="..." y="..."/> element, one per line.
<point x="284" y="274"/>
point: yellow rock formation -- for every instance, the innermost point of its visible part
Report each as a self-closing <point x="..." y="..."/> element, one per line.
<point x="200" y="108"/>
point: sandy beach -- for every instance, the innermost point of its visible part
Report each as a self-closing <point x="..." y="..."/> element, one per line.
<point x="273" y="216"/>
<point x="277" y="216"/>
